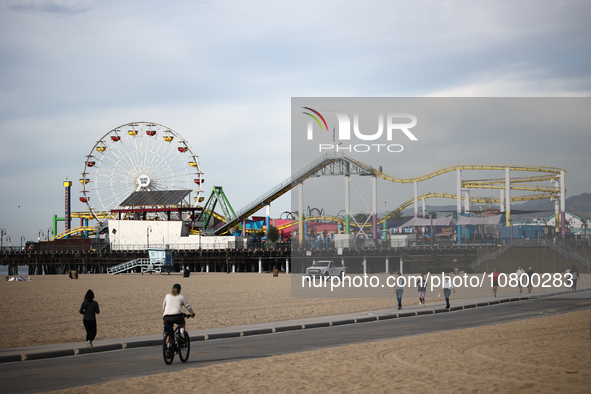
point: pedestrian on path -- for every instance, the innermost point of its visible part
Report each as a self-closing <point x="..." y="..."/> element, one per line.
<point x="89" y="308"/>
<point x="519" y="273"/>
<point x="398" y="289"/>
<point x="575" y="276"/>
<point x="448" y="286"/>
<point x="530" y="274"/>
<point x="495" y="280"/>
<point x="422" y="287"/>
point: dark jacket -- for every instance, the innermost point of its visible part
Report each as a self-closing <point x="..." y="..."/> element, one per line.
<point x="89" y="310"/>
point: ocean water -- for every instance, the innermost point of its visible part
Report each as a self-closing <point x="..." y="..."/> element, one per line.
<point x="22" y="270"/>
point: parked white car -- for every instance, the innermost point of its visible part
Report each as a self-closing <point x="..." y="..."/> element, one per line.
<point x="325" y="268"/>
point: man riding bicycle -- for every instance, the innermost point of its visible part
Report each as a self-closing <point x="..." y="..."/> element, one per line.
<point x="172" y="306"/>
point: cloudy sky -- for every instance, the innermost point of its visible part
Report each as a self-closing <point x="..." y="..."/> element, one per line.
<point x="222" y="74"/>
<point x="544" y="134"/>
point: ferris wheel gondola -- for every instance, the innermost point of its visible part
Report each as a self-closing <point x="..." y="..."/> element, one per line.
<point x="138" y="156"/>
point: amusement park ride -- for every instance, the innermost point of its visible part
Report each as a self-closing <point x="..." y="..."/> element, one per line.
<point x="138" y="157"/>
<point x="148" y="174"/>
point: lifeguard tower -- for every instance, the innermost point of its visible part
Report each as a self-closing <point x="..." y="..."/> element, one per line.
<point x="160" y="260"/>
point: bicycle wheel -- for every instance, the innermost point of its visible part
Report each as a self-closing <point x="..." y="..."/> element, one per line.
<point x="167" y="352"/>
<point x="185" y="348"/>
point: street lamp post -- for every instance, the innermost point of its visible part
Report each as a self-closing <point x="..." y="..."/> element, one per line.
<point x="9" y="242"/>
<point x="48" y="230"/>
<point x="546" y="231"/>
<point x="41" y="234"/>
<point x="2" y="234"/>
<point x="432" y="235"/>
<point x="148" y="231"/>
<point x="511" y="223"/>
<point x="22" y="239"/>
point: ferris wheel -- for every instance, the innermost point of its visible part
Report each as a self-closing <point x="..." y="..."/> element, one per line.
<point x="138" y="156"/>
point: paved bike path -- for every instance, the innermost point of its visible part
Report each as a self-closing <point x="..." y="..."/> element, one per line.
<point x="102" y="345"/>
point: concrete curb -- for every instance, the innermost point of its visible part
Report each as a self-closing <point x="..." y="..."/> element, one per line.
<point x="11" y="358"/>
<point x="222" y="335"/>
<point x="50" y="354"/>
<point x="288" y="328"/>
<point x="146" y="343"/>
<point x="101" y="348"/>
<point x="343" y="322"/>
<point x="366" y="319"/>
<point x="316" y="325"/>
<point x="264" y="331"/>
<point x="425" y="312"/>
<point x="261" y="331"/>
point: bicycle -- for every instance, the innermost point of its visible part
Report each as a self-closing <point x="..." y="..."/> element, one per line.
<point x="179" y="345"/>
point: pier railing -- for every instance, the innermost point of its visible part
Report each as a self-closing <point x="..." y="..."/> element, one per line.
<point x="570" y="254"/>
<point x="488" y="256"/>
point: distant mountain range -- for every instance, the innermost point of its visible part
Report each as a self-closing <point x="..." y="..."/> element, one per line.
<point x="582" y="202"/>
<point x="579" y="205"/>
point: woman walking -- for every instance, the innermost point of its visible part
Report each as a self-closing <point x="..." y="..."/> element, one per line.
<point x="495" y="281"/>
<point x="89" y="308"/>
<point x="446" y="289"/>
<point x="422" y="286"/>
<point x="399" y="289"/>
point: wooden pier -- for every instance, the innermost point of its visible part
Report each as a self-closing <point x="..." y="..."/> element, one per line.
<point x="357" y="260"/>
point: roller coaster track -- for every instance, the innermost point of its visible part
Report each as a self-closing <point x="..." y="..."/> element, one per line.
<point x="277" y="191"/>
<point x="549" y="170"/>
<point x="343" y="165"/>
<point x="74" y="231"/>
<point x="525" y="179"/>
<point x="533" y="188"/>
<point x="89" y="216"/>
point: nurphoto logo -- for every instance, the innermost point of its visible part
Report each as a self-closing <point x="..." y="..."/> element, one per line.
<point x="395" y="123"/>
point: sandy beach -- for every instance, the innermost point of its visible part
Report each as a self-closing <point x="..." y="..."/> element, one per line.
<point x="131" y="304"/>
<point x="542" y="355"/>
<point x="546" y="354"/>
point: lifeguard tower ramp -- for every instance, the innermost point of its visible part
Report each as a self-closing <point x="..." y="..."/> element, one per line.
<point x="160" y="260"/>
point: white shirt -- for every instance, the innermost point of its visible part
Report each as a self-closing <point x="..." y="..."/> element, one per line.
<point x="447" y="284"/>
<point x="520" y="271"/>
<point x="173" y="305"/>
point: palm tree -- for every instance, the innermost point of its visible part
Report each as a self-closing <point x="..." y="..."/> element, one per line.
<point x="397" y="217"/>
<point x="567" y="223"/>
<point x="361" y="217"/>
<point x="273" y="234"/>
